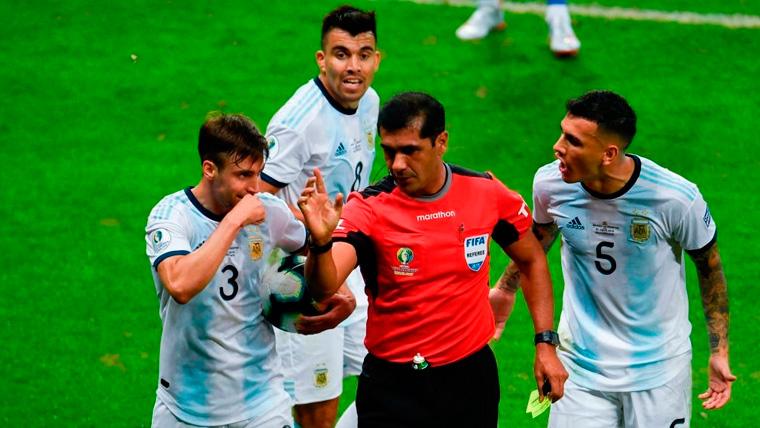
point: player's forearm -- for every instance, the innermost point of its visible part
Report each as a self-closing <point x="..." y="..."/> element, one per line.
<point x="190" y="274"/>
<point x="537" y="288"/>
<point x="321" y="275"/>
<point x="714" y="291"/>
<point x="546" y="234"/>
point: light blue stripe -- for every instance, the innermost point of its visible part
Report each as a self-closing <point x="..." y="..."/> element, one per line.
<point x="673" y="180"/>
<point x="296" y="120"/>
<point x="668" y="185"/>
<point x="303" y="105"/>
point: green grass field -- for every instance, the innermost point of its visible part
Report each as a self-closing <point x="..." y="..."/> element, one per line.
<point x="92" y="139"/>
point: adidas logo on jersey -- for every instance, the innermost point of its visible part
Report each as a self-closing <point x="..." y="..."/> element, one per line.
<point x="575" y="224"/>
<point x="341" y="150"/>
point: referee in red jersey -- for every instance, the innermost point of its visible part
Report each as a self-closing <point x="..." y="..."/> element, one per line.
<point x="421" y="237"/>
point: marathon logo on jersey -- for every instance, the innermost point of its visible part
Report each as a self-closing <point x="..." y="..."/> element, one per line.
<point x="320" y="377"/>
<point x="404" y="255"/>
<point x="707" y="217"/>
<point x="575" y="224"/>
<point x="341" y="150"/>
<point x="640" y="230"/>
<point x="273" y="147"/>
<point x="605" y="228"/>
<point x="475" y="251"/>
<point x="436" y="215"/>
<point x="160" y="239"/>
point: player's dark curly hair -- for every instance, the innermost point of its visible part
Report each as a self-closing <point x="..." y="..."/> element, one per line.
<point x="230" y="137"/>
<point x="351" y="20"/>
<point x="610" y="111"/>
<point x="403" y="109"/>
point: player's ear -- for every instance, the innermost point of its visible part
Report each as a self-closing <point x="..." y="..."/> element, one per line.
<point x="320" y="56"/>
<point x="611" y="154"/>
<point x="209" y="169"/>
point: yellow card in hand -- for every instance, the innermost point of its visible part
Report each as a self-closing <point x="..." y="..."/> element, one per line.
<point x="536" y="407"/>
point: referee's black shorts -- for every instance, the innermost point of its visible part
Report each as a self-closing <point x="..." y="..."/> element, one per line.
<point x="464" y="394"/>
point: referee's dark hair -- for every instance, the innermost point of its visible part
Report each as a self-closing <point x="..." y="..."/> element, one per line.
<point x="230" y="137"/>
<point x="351" y="20"/>
<point x="610" y="111"/>
<point x="404" y="109"/>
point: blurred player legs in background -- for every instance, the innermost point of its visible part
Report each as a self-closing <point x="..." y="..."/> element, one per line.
<point x="489" y="17"/>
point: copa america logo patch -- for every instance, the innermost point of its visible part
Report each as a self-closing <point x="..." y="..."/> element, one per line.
<point x="160" y="239"/>
<point x="273" y="147"/>
<point x="475" y="251"/>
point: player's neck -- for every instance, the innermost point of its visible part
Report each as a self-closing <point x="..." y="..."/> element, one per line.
<point x="613" y="177"/>
<point x="204" y="195"/>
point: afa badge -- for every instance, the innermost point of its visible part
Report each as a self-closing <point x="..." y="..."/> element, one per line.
<point x="320" y="378"/>
<point x="640" y="230"/>
<point x="256" y="247"/>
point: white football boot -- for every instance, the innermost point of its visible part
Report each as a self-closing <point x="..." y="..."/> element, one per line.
<point x="562" y="39"/>
<point x="484" y="20"/>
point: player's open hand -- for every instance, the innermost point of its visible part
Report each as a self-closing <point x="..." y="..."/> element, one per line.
<point x="720" y="378"/>
<point x="502" y="302"/>
<point x="250" y="210"/>
<point x="337" y="308"/>
<point x="548" y="368"/>
<point x="320" y="214"/>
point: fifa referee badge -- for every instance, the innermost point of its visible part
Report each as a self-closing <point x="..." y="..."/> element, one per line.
<point x="419" y="363"/>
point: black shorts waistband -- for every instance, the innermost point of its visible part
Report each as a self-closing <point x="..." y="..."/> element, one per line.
<point x="379" y="366"/>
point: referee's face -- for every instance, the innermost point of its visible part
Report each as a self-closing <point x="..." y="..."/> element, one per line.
<point x="416" y="163"/>
<point x="347" y="65"/>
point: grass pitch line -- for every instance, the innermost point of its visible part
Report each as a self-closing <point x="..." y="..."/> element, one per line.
<point x="688" y="18"/>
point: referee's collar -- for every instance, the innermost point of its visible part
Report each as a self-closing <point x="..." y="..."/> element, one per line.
<point x="333" y="102"/>
<point x="442" y="191"/>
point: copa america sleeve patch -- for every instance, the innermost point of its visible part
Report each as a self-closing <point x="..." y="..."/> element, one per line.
<point x="160" y="239"/>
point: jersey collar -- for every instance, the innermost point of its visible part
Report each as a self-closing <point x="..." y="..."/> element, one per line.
<point x="333" y="102"/>
<point x="624" y="189"/>
<point x="441" y="193"/>
<point x="197" y="204"/>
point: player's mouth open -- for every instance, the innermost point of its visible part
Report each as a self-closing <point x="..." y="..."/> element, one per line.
<point x="562" y="167"/>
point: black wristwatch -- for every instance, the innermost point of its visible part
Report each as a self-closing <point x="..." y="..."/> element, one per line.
<point x="547" y="336"/>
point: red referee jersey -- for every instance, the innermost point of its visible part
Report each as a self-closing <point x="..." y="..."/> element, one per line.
<point x="425" y="263"/>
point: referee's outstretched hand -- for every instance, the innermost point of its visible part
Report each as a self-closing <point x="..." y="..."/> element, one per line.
<point x="320" y="215"/>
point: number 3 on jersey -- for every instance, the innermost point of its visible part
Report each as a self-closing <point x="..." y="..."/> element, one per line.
<point x="232" y="281"/>
<point x="609" y="265"/>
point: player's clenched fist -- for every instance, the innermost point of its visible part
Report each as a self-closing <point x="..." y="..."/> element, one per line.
<point x="249" y="210"/>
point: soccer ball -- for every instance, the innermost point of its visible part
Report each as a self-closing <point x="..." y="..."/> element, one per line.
<point x="284" y="293"/>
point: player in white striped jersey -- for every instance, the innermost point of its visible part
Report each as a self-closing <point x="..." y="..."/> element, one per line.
<point x="625" y="224"/>
<point x="207" y="246"/>
<point x="330" y="124"/>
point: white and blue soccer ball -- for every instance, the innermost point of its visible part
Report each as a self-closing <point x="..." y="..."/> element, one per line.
<point x="284" y="293"/>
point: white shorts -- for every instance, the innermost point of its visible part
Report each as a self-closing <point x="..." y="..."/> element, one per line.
<point x="314" y="366"/>
<point x="278" y="417"/>
<point x="667" y="406"/>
